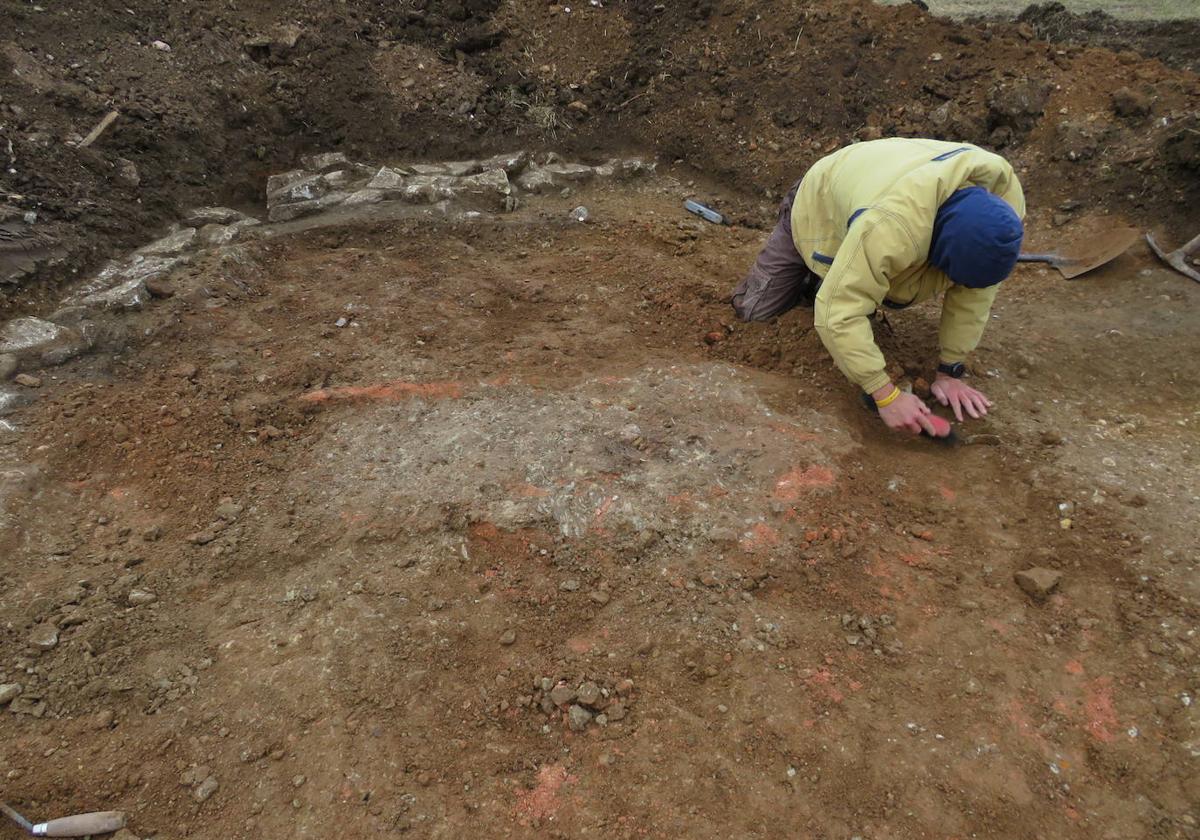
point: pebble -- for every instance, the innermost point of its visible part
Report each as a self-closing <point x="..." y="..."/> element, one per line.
<point x="206" y="788"/>
<point x="588" y="694"/>
<point x="103" y="719"/>
<point x="600" y="597"/>
<point x="508" y="637"/>
<point x="578" y="718"/>
<point x="1051" y="439"/>
<point x="44" y="637"/>
<point x="562" y="694"/>
<point x="229" y="510"/>
<point x="569" y="585"/>
<point x="1038" y="582"/>
<point x="161" y="46"/>
<point x="297" y="781"/>
<point x="120" y="432"/>
<point x="28" y="380"/>
<point x="616" y="711"/>
<point x="8" y="692"/>
<point x="140" y="597"/>
<point x="973" y="687"/>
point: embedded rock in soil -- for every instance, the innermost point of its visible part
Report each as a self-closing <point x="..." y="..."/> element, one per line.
<point x="198" y="217"/>
<point x="1018" y="106"/>
<point x="554" y="176"/>
<point x="8" y="692"/>
<point x="206" y="789"/>
<point x="561" y="694"/>
<point x="1038" y="582"/>
<point x="578" y="718"/>
<point x="44" y="637"/>
<point x="28" y="338"/>
<point x="171" y="244"/>
<point x="508" y="637"/>
<point x="588" y="694"/>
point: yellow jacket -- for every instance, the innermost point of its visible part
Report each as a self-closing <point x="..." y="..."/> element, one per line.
<point x="863" y="220"/>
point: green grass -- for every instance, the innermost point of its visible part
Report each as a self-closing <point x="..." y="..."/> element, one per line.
<point x="1125" y="9"/>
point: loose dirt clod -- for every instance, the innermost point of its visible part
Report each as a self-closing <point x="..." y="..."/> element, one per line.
<point x="1038" y="582"/>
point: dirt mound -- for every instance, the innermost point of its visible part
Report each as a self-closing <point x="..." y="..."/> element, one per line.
<point x="211" y="99"/>
<point x="1175" y="43"/>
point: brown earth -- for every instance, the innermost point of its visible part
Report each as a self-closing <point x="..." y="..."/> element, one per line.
<point x="339" y="570"/>
<point x="357" y="577"/>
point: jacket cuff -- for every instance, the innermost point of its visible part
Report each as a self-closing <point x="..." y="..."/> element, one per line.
<point x="876" y="382"/>
<point x="948" y="358"/>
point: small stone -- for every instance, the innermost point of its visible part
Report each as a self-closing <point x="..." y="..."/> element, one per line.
<point x="569" y="585"/>
<point x="578" y="718"/>
<point x="103" y="719"/>
<point x="1038" y="582"/>
<point x="44" y="637"/>
<point x="126" y="172"/>
<point x="508" y="637"/>
<point x="562" y="694"/>
<point x="9" y="691"/>
<point x="229" y="510"/>
<point x="206" y="789"/>
<point x="161" y="46"/>
<point x="600" y="597"/>
<point x="120" y="432"/>
<point x="973" y="687"/>
<point x="297" y="781"/>
<point x="140" y="597"/>
<point x="159" y="287"/>
<point x="1051" y="439"/>
<point x="184" y="370"/>
<point x="616" y="711"/>
<point x="202" y="538"/>
<point x="589" y="694"/>
<point x="28" y="380"/>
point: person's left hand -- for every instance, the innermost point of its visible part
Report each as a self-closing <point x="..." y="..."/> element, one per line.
<point x="960" y="396"/>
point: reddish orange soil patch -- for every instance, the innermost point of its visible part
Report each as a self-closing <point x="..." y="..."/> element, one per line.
<point x="542" y="801"/>
<point x="386" y="392"/>
<point x="791" y="485"/>
<point x="1098" y="706"/>
<point x="761" y="536"/>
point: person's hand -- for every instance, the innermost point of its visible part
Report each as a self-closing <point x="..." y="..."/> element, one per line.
<point x="907" y="413"/>
<point x="960" y="396"/>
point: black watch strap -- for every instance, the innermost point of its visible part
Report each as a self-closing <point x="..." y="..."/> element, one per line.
<point x="955" y="370"/>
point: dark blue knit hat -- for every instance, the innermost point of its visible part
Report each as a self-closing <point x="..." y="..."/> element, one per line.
<point x="976" y="238"/>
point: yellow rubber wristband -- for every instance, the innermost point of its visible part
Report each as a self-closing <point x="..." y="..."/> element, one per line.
<point x="889" y="399"/>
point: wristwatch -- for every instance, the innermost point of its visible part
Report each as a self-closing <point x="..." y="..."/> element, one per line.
<point x="955" y="370"/>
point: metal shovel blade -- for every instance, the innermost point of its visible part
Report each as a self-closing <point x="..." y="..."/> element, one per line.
<point x="1090" y="253"/>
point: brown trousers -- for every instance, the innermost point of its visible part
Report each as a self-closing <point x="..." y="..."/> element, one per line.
<point x="779" y="279"/>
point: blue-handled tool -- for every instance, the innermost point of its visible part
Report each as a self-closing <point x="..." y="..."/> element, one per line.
<point x="704" y="211"/>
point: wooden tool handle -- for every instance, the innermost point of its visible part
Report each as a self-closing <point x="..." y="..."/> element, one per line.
<point x="81" y="825"/>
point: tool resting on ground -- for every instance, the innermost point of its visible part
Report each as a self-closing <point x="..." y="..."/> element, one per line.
<point x="78" y="825"/>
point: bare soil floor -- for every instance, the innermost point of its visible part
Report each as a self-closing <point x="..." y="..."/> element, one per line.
<point x="541" y="543"/>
